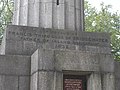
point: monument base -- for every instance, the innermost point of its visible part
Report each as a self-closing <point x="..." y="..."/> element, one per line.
<point x="46" y="59"/>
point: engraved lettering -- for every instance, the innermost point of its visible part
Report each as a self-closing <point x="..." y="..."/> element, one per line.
<point x="60" y="39"/>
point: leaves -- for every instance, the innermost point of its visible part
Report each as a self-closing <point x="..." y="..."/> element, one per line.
<point x="6" y="8"/>
<point x="104" y="21"/>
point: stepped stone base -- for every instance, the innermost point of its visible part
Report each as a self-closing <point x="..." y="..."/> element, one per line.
<point x="41" y="59"/>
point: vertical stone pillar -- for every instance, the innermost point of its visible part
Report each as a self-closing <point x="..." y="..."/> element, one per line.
<point x="42" y="80"/>
<point x="42" y="70"/>
<point x="58" y="81"/>
<point x="108" y="81"/>
<point x="43" y="73"/>
<point x="74" y="14"/>
<point x="68" y="14"/>
<point x="94" y="82"/>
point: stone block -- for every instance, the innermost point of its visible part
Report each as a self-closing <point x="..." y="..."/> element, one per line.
<point x="46" y="80"/>
<point x="48" y="15"/>
<point x="18" y="47"/>
<point x="78" y="61"/>
<point x="16" y="5"/>
<point x="42" y="80"/>
<point x="42" y="15"/>
<point x="46" y="1"/>
<point x="23" y="40"/>
<point x="70" y="16"/>
<point x="37" y="14"/>
<point x="94" y="82"/>
<point x="117" y="69"/>
<point x="117" y="84"/>
<point x="14" y="65"/>
<point x="8" y="82"/>
<point x="58" y="17"/>
<point x="83" y="61"/>
<point x="23" y="15"/>
<point x="29" y="47"/>
<point x="32" y="1"/>
<point x="15" y="20"/>
<point x="106" y="63"/>
<point x="42" y="60"/>
<point x="78" y="4"/>
<point x="23" y="3"/>
<point x="108" y="81"/>
<point x="24" y="83"/>
<point x="58" y="81"/>
<point x="31" y="10"/>
<point x="117" y="75"/>
<point x="78" y="26"/>
<point x="34" y="81"/>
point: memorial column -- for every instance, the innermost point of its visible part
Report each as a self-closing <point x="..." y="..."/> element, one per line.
<point x="94" y="82"/>
<point x="62" y="14"/>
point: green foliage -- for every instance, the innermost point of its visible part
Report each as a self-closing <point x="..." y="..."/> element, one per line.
<point x="6" y="8"/>
<point x="104" y="21"/>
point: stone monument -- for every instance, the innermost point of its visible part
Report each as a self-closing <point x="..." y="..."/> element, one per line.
<point x="46" y="48"/>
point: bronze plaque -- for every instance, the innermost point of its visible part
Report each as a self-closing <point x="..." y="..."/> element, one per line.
<point x="72" y="84"/>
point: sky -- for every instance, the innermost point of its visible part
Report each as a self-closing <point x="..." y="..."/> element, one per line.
<point x="115" y="4"/>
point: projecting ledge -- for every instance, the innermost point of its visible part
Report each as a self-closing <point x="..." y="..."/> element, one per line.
<point x="59" y="60"/>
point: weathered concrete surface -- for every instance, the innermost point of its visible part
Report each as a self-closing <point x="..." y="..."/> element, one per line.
<point x="94" y="82"/>
<point x="14" y="65"/>
<point x="108" y="81"/>
<point x="14" y="72"/>
<point x="55" y="63"/>
<point x="24" y="83"/>
<point x="14" y="82"/>
<point x="68" y="14"/>
<point x="53" y="52"/>
<point x="23" y="40"/>
<point x="42" y="80"/>
<point x="8" y="82"/>
<point x="44" y="59"/>
<point x="117" y="75"/>
<point x="66" y="60"/>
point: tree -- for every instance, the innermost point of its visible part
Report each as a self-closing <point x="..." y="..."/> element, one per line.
<point x="6" y="8"/>
<point x="104" y="21"/>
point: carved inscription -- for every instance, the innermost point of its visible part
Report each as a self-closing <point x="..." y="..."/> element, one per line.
<point x="72" y="84"/>
<point x="57" y="39"/>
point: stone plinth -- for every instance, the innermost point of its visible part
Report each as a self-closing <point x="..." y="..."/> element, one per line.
<point x="53" y="54"/>
<point x="49" y="66"/>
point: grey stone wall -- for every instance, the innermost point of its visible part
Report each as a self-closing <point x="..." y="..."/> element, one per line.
<point x="51" y="65"/>
<point x="117" y="75"/>
<point x="14" y="72"/>
<point x="23" y="40"/>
